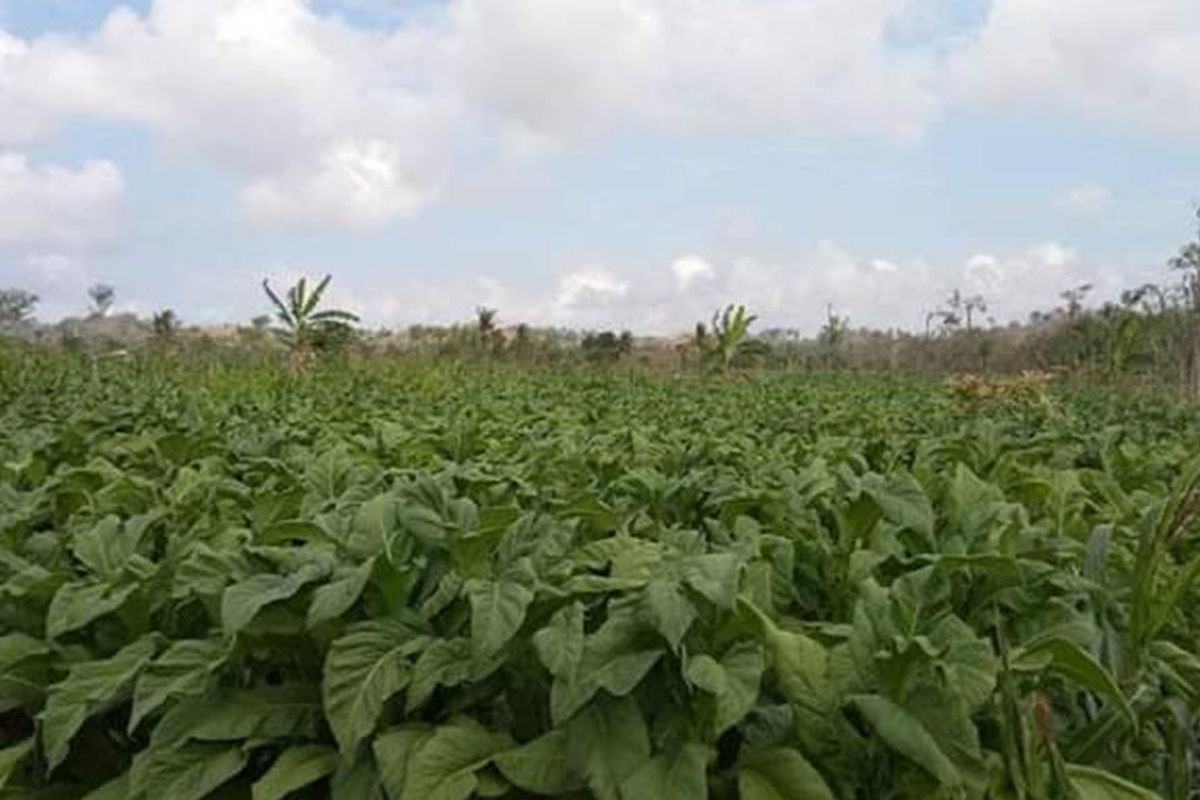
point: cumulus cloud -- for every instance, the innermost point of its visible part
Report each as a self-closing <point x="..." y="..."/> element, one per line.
<point x="50" y="206"/>
<point x="689" y="270"/>
<point x="1130" y="62"/>
<point x="591" y="287"/>
<point x="1086" y="199"/>
<point x="357" y="185"/>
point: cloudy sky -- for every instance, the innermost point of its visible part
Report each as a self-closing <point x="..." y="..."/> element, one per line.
<point x="596" y="163"/>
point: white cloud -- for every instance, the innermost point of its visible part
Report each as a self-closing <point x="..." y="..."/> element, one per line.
<point x="1086" y="199"/>
<point x="49" y="206"/>
<point x="589" y="288"/>
<point x="689" y="270"/>
<point x="357" y="186"/>
<point x="1130" y="62"/>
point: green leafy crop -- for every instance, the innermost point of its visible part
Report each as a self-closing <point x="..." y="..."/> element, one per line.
<point x="440" y="583"/>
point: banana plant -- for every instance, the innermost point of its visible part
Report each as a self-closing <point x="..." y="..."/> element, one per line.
<point x="304" y="325"/>
<point x="730" y="336"/>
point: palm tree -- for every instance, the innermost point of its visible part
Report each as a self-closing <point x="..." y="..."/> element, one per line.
<point x="304" y="326"/>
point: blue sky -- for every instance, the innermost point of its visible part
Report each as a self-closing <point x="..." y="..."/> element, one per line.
<point x="587" y="163"/>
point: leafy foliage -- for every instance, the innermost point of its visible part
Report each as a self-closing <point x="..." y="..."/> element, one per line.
<point x="394" y="582"/>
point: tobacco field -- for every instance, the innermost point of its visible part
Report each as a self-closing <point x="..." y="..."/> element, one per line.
<point x="440" y="582"/>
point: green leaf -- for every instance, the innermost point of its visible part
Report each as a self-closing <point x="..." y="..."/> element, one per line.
<point x="24" y="671"/>
<point x="261" y="713"/>
<point x="190" y="772"/>
<point x="184" y="670"/>
<point x="780" y="773"/>
<point x="107" y="546"/>
<point x="715" y="576"/>
<point x="1073" y="663"/>
<point x="11" y="758"/>
<point x="444" y="766"/>
<point x="295" y="768"/>
<point x="560" y="644"/>
<point x="357" y="781"/>
<point x="444" y="662"/>
<point x="89" y="687"/>
<point x="682" y="774"/>
<point x="394" y="749"/>
<point x="615" y="658"/>
<point x="668" y="611"/>
<point x="902" y="501"/>
<point x="76" y="605"/>
<point x="540" y="766"/>
<point x="497" y="611"/>
<point x="339" y="595"/>
<point x="242" y="601"/>
<point x="734" y="682"/>
<point x="363" y="669"/>
<point x="903" y="733"/>
<point x="1096" y="784"/>
<point x="606" y="743"/>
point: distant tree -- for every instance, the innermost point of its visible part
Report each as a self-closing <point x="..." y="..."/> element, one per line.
<point x="971" y="305"/>
<point x="1187" y="262"/>
<point x="16" y="305"/>
<point x="165" y="324"/>
<point x="489" y="336"/>
<point x="103" y="296"/>
<point x="305" y="328"/>
<point x="606" y="347"/>
<point x="261" y="322"/>
<point x="1074" y="299"/>
<point x="833" y="333"/>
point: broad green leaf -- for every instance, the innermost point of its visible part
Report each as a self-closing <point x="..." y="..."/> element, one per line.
<point x="668" y="611"/>
<point x="11" y="758"/>
<point x="242" y="601"/>
<point x="606" y="743"/>
<point x="185" y="669"/>
<point x="262" y="713"/>
<point x="907" y="736"/>
<point x="24" y="670"/>
<point x="902" y="502"/>
<point x="497" y="611"/>
<point x="76" y="605"/>
<point x="89" y="687"/>
<point x="780" y="773"/>
<point x="734" y="682"/>
<point x="357" y="781"/>
<point x="540" y="766"/>
<point x="363" y="669"/>
<point x="715" y="576"/>
<point x="107" y="546"/>
<point x="339" y="595"/>
<point x="190" y="772"/>
<point x="443" y="662"/>
<point x="615" y="658"/>
<point x="443" y="767"/>
<point x="1096" y="784"/>
<point x="681" y="774"/>
<point x="394" y="749"/>
<point x="560" y="644"/>
<point x="295" y="768"/>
